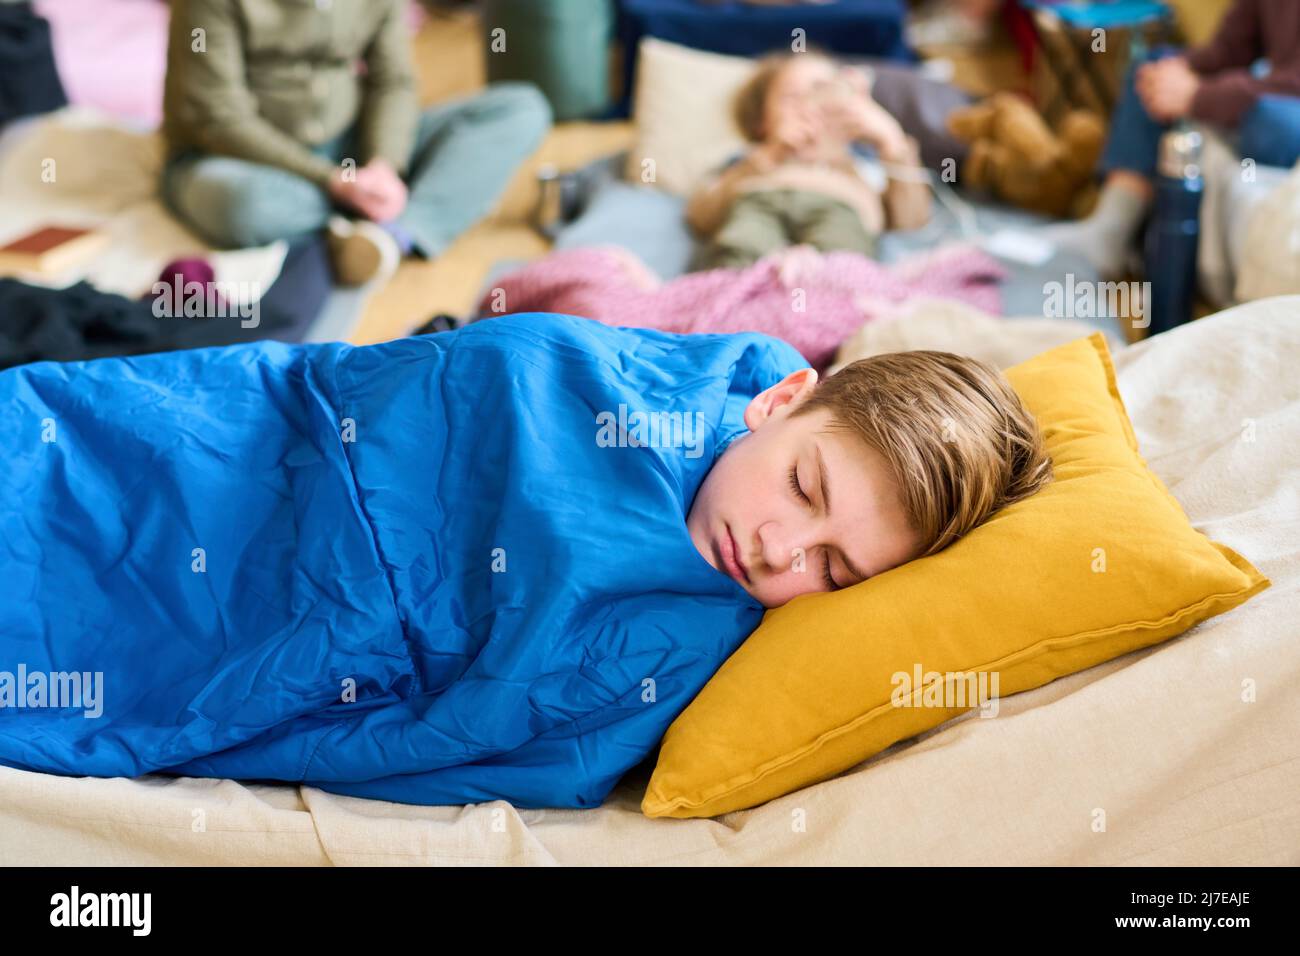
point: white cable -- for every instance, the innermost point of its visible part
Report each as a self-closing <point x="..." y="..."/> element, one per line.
<point x="960" y="208"/>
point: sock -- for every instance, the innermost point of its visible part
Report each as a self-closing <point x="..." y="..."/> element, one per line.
<point x="1106" y="236"/>
<point x="405" y="241"/>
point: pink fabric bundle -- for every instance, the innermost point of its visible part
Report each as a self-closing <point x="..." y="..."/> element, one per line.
<point x="111" y="54"/>
<point x="813" y="300"/>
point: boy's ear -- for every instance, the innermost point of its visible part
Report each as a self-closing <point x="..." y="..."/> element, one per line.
<point x="791" y="390"/>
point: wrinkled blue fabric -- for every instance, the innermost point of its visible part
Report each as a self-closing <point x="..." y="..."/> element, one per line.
<point x="406" y="571"/>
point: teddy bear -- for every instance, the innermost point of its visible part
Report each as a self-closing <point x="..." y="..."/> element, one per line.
<point x="1017" y="157"/>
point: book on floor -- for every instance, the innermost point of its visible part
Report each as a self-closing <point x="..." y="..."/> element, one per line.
<point x="50" y="250"/>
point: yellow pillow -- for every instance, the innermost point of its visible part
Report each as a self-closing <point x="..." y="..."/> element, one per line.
<point x="1100" y="562"/>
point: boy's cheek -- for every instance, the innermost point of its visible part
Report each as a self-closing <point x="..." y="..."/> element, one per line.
<point x="776" y="593"/>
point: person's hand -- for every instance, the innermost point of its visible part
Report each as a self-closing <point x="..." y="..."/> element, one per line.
<point x="799" y="266"/>
<point x="979" y="10"/>
<point x="361" y="194"/>
<point x="878" y="128"/>
<point x="854" y="115"/>
<point x="375" y="191"/>
<point x="766" y="156"/>
<point x="386" y="190"/>
<point x="1167" y="88"/>
<point x="794" y="134"/>
<point x="343" y="189"/>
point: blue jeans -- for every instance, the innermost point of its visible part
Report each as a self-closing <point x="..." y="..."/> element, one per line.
<point x="465" y="153"/>
<point x="1269" y="134"/>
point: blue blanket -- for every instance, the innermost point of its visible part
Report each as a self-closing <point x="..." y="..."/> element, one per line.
<point x="444" y="569"/>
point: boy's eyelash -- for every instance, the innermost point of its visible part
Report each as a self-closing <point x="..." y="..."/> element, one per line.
<point x="827" y="578"/>
<point x="826" y="575"/>
<point x="794" y="485"/>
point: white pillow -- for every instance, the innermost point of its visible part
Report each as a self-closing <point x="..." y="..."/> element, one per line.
<point x="683" y="113"/>
<point x="925" y="322"/>
<point x="1270" y="255"/>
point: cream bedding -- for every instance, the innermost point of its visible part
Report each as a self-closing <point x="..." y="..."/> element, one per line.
<point x="78" y="167"/>
<point x="1165" y="742"/>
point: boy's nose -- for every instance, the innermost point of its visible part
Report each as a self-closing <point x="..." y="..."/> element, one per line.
<point x="779" y="548"/>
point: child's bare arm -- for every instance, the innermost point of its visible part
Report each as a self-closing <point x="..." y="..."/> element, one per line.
<point x="907" y="192"/>
<point x="708" y="205"/>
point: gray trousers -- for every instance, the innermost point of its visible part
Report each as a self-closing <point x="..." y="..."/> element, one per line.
<point x="466" y="151"/>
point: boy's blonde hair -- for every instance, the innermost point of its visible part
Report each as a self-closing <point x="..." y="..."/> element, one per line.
<point x="959" y="441"/>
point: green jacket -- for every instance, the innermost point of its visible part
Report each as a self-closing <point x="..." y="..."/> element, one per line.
<point x="266" y="80"/>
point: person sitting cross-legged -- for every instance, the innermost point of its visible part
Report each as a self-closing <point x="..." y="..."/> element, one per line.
<point x="283" y="119"/>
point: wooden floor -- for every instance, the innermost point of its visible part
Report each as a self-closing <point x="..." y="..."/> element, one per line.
<point x="449" y="57"/>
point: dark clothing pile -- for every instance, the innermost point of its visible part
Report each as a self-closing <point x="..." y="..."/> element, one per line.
<point x="29" y="82"/>
<point x="81" y="322"/>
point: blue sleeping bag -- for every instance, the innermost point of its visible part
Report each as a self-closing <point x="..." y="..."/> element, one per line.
<point x="444" y="569"/>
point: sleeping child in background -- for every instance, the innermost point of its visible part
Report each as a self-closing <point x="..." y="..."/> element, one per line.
<point x="800" y="183"/>
<point x="494" y="563"/>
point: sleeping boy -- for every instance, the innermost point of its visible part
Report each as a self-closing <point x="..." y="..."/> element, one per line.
<point x="800" y="182"/>
<point x="421" y="571"/>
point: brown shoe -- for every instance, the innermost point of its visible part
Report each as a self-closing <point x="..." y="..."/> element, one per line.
<point x="361" y="252"/>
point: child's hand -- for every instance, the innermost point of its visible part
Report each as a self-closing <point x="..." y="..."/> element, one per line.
<point x="859" y="117"/>
<point x="767" y="156"/>
<point x="798" y="266"/>
<point x="794" y="134"/>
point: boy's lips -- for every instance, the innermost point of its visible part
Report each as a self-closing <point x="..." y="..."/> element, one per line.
<point x="731" y="556"/>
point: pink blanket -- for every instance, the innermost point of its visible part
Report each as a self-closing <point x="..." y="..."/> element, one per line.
<point x="111" y="54"/>
<point x="813" y="300"/>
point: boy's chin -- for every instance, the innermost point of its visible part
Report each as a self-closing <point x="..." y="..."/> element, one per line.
<point x="759" y="594"/>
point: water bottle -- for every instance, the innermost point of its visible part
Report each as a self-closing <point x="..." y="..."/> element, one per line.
<point x="1175" y="229"/>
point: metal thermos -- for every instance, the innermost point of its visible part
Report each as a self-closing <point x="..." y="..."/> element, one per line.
<point x="1175" y="229"/>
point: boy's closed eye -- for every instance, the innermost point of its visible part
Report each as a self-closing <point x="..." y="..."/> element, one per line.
<point x="892" y="458"/>
<point x="817" y="499"/>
